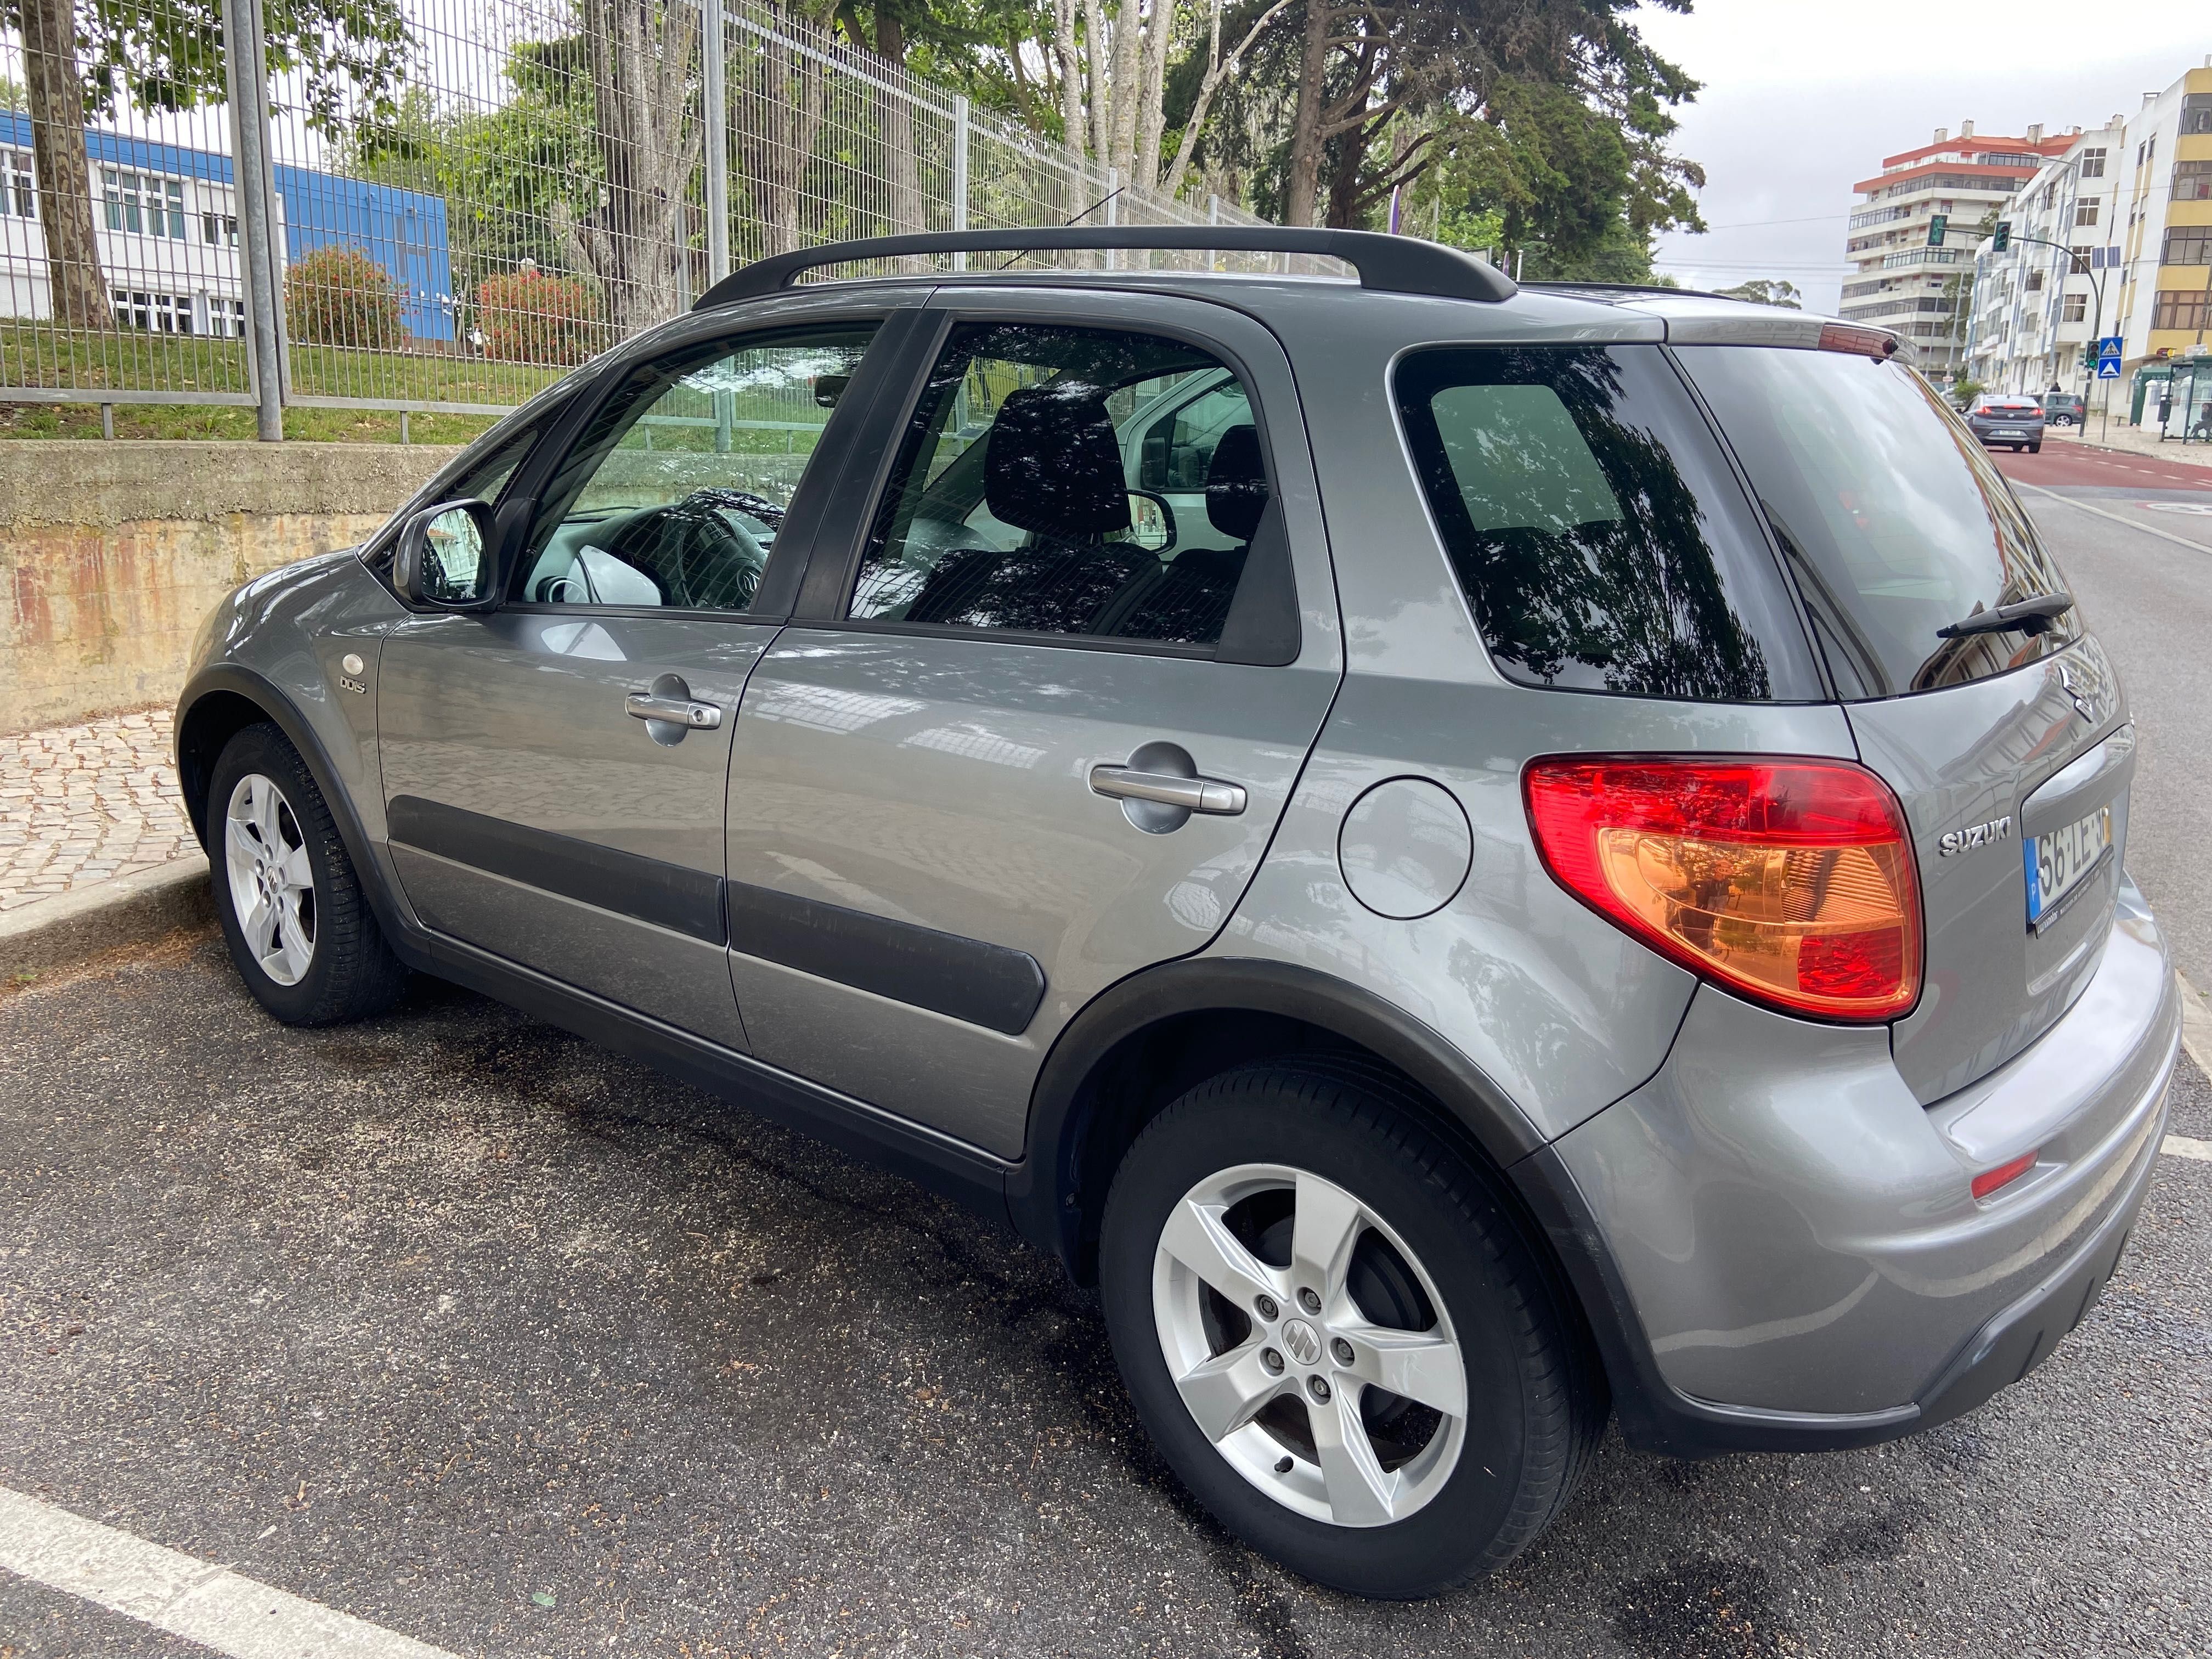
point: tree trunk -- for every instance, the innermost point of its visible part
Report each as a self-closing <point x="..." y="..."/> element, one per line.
<point x="1128" y="48"/>
<point x="1344" y="207"/>
<point x="55" y="97"/>
<point x="901" y="168"/>
<point x="1302" y="182"/>
<point x="1073" y="116"/>
<point x="1102" y="109"/>
<point x="1151" y="117"/>
<point x="642" y="53"/>
<point x="776" y="139"/>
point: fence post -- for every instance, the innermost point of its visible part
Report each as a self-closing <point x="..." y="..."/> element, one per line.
<point x="960" y="173"/>
<point x="714" y="111"/>
<point x="248" y="93"/>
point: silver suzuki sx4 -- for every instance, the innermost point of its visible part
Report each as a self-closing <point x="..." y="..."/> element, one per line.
<point x="1476" y="859"/>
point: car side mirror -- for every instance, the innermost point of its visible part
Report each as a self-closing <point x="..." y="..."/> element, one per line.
<point x="1152" y="520"/>
<point x="444" y="557"/>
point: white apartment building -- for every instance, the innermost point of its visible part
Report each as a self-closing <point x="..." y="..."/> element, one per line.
<point x="1896" y="279"/>
<point x="2056" y="289"/>
<point x="2139" y="230"/>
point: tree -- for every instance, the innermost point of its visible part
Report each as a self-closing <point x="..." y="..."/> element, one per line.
<point x="81" y="57"/>
<point x="1762" y="291"/>
<point x="642" y="58"/>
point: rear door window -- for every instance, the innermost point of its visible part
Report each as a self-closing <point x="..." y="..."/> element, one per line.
<point x="1893" y="518"/>
<point x="1595" y="526"/>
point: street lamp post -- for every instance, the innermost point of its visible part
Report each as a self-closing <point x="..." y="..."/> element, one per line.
<point x="2097" y="285"/>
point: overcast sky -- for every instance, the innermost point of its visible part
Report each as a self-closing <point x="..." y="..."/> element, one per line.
<point x="1803" y="97"/>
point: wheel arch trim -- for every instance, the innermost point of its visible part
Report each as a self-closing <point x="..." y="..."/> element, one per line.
<point x="1042" y="1190"/>
<point x="278" y="708"/>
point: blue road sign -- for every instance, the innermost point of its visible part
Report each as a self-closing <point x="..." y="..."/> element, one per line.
<point x="2110" y="350"/>
<point x="2108" y="368"/>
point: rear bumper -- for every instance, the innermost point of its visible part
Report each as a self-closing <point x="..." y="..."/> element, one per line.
<point x="1776" y="1242"/>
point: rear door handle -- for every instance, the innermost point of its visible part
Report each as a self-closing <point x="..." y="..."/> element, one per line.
<point x="677" y="711"/>
<point x="1209" y="795"/>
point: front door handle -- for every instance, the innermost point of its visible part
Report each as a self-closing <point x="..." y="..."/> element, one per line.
<point x="1208" y="795"/>
<point x="686" y="712"/>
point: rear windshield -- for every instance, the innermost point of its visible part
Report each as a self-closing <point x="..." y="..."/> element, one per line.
<point x="1892" y="515"/>
<point x="1595" y="527"/>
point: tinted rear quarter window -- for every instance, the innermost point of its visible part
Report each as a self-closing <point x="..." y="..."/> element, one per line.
<point x="1891" y="513"/>
<point x="1595" y="526"/>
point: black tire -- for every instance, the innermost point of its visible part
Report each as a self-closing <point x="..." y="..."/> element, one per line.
<point x="2035" y="449"/>
<point x="352" y="973"/>
<point x="1535" y="1391"/>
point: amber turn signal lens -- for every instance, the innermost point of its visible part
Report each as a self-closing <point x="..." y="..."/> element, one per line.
<point x="1791" y="881"/>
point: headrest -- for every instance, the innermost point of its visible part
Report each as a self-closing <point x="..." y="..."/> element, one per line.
<point x="1054" y="464"/>
<point x="1237" y="484"/>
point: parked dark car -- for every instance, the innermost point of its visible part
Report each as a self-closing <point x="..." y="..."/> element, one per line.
<point x="2062" y="409"/>
<point x="2013" y="419"/>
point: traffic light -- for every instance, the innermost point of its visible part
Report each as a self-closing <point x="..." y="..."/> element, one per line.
<point x="2002" y="239"/>
<point x="1936" y="225"/>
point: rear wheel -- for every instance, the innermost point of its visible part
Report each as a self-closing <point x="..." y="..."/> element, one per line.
<point x="1337" y="1333"/>
<point x="2035" y="449"/>
<point x="290" y="905"/>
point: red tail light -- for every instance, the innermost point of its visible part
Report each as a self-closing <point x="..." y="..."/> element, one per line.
<point x="1791" y="881"/>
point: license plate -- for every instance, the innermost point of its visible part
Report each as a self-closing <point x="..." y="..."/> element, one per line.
<point x="2061" y="861"/>
<point x="2012" y="431"/>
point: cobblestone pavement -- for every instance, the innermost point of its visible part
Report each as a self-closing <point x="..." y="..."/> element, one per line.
<point x="81" y="803"/>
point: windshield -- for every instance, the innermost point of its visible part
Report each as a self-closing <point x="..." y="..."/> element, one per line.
<point x="1893" y="518"/>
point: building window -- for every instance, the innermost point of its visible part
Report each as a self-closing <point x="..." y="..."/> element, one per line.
<point x="219" y="229"/>
<point x="2085" y="213"/>
<point x="2190" y="245"/>
<point x="2196" y="113"/>
<point x="19" y="188"/>
<point x="2075" y="309"/>
<point x="2035" y="281"/>
<point x="2178" y="309"/>
<point x="142" y="203"/>
<point x="156" y="313"/>
<point x="226" y="317"/>
<point x="2192" y="181"/>
<point x="2092" y="164"/>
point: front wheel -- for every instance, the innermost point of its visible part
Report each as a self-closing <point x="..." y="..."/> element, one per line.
<point x="1341" y="1336"/>
<point x="290" y="902"/>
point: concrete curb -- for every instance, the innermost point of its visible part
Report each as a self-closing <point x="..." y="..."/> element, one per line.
<point x="127" y="910"/>
<point x="2196" y="1025"/>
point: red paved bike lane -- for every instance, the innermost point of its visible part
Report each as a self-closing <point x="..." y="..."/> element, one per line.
<point x="2079" y="465"/>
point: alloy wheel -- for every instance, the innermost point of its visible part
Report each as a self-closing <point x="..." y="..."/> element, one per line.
<point x="272" y="885"/>
<point x="1310" y="1344"/>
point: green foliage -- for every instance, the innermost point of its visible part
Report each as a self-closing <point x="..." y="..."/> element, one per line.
<point x="506" y="174"/>
<point x="350" y="56"/>
<point x="340" y="296"/>
<point x="528" y="317"/>
<point x="1759" y="290"/>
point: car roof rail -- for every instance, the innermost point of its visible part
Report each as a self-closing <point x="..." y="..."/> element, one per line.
<point x="1395" y="264"/>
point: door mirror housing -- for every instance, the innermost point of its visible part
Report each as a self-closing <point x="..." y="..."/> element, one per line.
<point x="1152" y="520"/>
<point x="444" y="559"/>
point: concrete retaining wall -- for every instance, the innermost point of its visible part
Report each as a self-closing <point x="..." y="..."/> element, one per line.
<point x="112" y="553"/>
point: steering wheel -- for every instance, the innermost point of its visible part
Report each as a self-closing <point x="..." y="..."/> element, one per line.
<point x="700" y="557"/>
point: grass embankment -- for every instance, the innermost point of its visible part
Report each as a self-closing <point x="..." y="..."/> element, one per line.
<point x="40" y="355"/>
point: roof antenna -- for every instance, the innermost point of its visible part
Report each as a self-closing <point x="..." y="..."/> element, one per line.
<point x="1085" y="214"/>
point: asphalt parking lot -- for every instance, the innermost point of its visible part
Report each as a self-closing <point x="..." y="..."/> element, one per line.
<point x="488" y="1337"/>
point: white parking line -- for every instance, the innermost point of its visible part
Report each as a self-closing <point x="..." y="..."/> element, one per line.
<point x="199" y="1601"/>
<point x="2187" y="1146"/>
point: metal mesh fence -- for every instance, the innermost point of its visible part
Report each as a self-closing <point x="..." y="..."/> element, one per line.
<point x="459" y="200"/>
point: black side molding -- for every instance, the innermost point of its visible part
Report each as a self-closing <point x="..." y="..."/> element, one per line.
<point x="671" y="896"/>
<point x="984" y="984"/>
